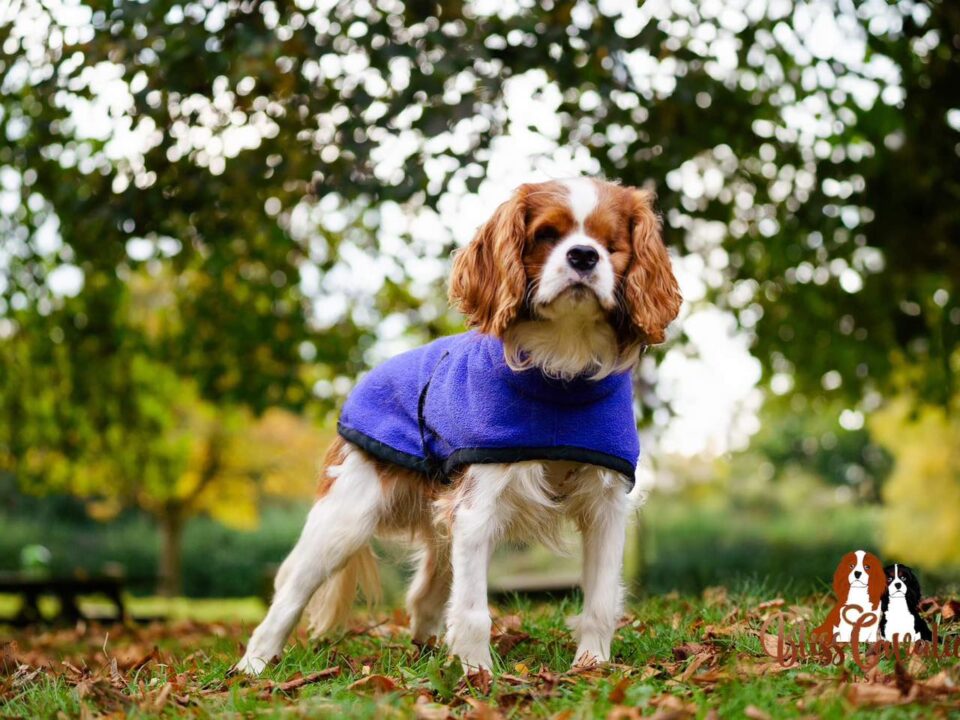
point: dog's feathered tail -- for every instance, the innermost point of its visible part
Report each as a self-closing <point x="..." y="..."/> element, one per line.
<point x="330" y="606"/>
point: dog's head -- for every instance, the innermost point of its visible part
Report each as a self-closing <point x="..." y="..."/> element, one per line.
<point x="902" y="583"/>
<point x="561" y="246"/>
<point x="862" y="570"/>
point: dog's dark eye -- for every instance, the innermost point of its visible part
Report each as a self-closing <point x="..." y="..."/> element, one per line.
<point x="866" y="567"/>
<point x="547" y="235"/>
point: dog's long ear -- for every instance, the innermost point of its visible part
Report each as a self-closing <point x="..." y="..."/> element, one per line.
<point x="913" y="586"/>
<point x="841" y="583"/>
<point x="876" y="578"/>
<point x="488" y="280"/>
<point x="650" y="291"/>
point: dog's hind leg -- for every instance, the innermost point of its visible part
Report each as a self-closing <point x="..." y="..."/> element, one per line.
<point x="338" y="527"/>
<point x="429" y="589"/>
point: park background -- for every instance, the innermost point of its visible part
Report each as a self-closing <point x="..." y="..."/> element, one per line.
<point x="214" y="216"/>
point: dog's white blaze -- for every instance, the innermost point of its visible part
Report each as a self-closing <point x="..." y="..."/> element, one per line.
<point x="583" y="198"/>
<point x="894" y="591"/>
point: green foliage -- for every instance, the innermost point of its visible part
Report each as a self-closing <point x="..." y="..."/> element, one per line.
<point x="253" y="111"/>
<point x="687" y="543"/>
<point x="689" y="546"/>
<point x="922" y="515"/>
<point x="806" y="436"/>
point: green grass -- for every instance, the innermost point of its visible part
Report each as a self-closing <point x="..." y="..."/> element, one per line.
<point x="532" y="678"/>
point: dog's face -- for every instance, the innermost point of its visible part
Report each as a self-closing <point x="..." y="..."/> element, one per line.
<point x="860" y="570"/>
<point x="556" y="245"/>
<point x="902" y="583"/>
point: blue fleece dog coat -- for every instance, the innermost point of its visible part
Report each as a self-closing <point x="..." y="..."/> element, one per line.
<point x="455" y="402"/>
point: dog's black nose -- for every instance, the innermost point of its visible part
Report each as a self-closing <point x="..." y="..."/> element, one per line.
<point x="582" y="258"/>
<point x="897" y="586"/>
<point x="857" y="574"/>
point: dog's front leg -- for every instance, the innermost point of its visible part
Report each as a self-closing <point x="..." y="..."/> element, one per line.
<point x="604" y="533"/>
<point x="476" y="526"/>
<point x="338" y="525"/>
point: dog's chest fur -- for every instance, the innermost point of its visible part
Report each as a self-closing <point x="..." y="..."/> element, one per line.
<point x="898" y="620"/>
<point x="857" y="597"/>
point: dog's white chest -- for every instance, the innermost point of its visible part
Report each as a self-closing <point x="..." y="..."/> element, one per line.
<point x="898" y="620"/>
<point x="850" y="614"/>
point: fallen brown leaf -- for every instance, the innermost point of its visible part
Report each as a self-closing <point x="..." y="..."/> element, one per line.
<point x="295" y="682"/>
<point x="803" y="678"/>
<point x="760" y="667"/>
<point x="622" y="712"/>
<point x="950" y="610"/>
<point x="715" y="595"/>
<point x="649" y="672"/>
<point x="423" y="709"/>
<point x="479" y="710"/>
<point x="767" y="604"/>
<point x="25" y="675"/>
<point x="672" y="706"/>
<point x="379" y="684"/>
<point x="710" y="677"/>
<point x="941" y="683"/>
<point x="871" y="694"/>
<point x="694" y="665"/>
<point x="688" y="650"/>
<point x="507" y="641"/>
<point x="480" y="680"/>
<point x="755" y="713"/>
<point x="904" y="680"/>
<point x="298" y="681"/>
<point x="619" y="692"/>
<point x="163" y="695"/>
<point x="714" y="631"/>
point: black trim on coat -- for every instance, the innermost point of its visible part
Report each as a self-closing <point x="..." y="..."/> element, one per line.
<point x="469" y="456"/>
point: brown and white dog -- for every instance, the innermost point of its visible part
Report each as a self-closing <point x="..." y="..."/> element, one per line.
<point x="859" y="583"/>
<point x="574" y="278"/>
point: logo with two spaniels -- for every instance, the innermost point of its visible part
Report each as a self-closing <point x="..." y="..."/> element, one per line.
<point x="873" y="605"/>
<point x="878" y="602"/>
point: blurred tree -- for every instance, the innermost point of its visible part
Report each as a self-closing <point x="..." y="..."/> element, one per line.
<point x="807" y="152"/>
<point x="922" y="496"/>
<point x="122" y="429"/>
<point x="824" y="439"/>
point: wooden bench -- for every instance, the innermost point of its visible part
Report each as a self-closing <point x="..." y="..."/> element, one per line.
<point x="67" y="590"/>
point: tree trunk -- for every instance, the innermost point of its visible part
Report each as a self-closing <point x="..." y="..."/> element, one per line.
<point x="171" y="555"/>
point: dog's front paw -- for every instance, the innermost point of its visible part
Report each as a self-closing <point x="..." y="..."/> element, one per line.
<point x="591" y="651"/>
<point x="586" y="658"/>
<point x="468" y="637"/>
<point x="250" y="665"/>
<point x="477" y="664"/>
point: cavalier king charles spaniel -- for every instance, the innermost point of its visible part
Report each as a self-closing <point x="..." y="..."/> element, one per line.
<point x="901" y="607"/>
<point x="501" y="432"/>
<point x="859" y="584"/>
